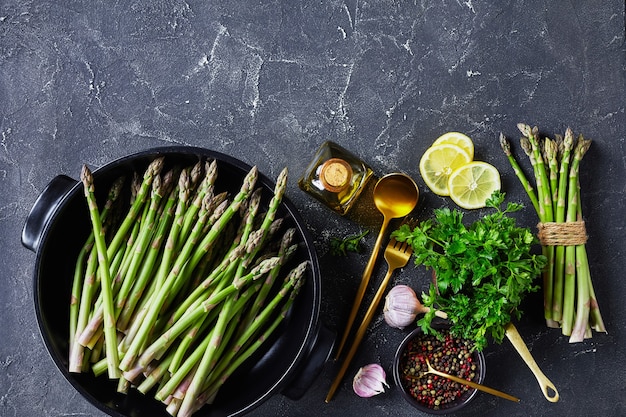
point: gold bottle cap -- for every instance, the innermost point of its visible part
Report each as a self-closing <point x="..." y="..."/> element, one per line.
<point x="335" y="175"/>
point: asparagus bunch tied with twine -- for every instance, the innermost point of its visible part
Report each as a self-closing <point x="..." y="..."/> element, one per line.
<point x="173" y="297"/>
<point x="569" y="297"/>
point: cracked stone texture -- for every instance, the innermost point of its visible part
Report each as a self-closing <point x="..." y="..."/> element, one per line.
<point x="268" y="82"/>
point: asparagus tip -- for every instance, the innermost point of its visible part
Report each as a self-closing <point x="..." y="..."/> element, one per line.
<point x="276" y="225"/>
<point x="135" y="186"/>
<point x="85" y="173"/>
<point x="157" y="185"/>
<point x="524" y="128"/>
<point x="288" y="253"/>
<point x="281" y="183"/>
<point x="288" y="237"/>
<point x="168" y="180"/>
<point x="505" y="145"/>
<point x="254" y="240"/>
<point x="87" y="178"/>
<point x="255" y="200"/>
<point x="196" y="172"/>
<point x="155" y="167"/>
<point x="266" y="265"/>
<point x="219" y="210"/>
<point x="526" y="146"/>
<point x="211" y="170"/>
<point x="184" y="186"/>
<point x="250" y="179"/>
<point x="116" y="188"/>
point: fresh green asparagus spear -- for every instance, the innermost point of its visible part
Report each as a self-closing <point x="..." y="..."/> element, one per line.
<point x="110" y="330"/>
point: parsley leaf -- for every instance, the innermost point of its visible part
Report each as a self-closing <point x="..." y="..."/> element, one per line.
<point x="341" y="246"/>
<point x="482" y="271"/>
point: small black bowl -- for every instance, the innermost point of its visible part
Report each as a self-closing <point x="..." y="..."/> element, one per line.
<point x="478" y="359"/>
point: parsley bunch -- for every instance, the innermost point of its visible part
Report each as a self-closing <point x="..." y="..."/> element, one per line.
<point x="482" y="272"/>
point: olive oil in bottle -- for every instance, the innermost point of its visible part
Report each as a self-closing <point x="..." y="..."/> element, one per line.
<point x="335" y="177"/>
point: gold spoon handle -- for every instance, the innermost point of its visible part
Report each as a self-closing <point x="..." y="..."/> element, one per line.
<point x="359" y="335"/>
<point x="363" y="287"/>
<point x="545" y="384"/>
<point x="472" y="384"/>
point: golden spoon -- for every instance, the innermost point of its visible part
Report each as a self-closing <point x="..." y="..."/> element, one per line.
<point x="547" y="387"/>
<point x="472" y="384"/>
<point x="395" y="195"/>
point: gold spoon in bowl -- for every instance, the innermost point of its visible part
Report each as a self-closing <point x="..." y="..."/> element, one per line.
<point x="471" y="384"/>
<point x="395" y="195"/>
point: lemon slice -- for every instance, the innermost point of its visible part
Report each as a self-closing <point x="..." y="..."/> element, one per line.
<point x="438" y="162"/>
<point x="458" y="139"/>
<point x="472" y="184"/>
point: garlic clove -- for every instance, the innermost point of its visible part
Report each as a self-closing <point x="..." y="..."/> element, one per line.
<point x="401" y="306"/>
<point x="370" y="380"/>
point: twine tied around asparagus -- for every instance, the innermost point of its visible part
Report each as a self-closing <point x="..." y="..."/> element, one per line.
<point x="562" y="233"/>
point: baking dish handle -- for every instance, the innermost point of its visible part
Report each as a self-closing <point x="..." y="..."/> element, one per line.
<point x="43" y="209"/>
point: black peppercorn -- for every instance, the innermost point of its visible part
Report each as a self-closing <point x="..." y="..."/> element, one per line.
<point x="451" y="355"/>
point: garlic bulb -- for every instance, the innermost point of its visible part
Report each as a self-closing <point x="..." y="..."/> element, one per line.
<point x="370" y="380"/>
<point x="401" y="306"/>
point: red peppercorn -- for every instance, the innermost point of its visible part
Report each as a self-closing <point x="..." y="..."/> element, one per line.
<point x="451" y="355"/>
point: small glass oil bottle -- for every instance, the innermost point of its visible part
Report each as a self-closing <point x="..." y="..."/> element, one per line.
<point x="335" y="177"/>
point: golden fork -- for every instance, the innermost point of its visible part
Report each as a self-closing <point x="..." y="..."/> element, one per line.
<point x="397" y="255"/>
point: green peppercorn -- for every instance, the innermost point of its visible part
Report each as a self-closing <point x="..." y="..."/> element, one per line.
<point x="451" y="355"/>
